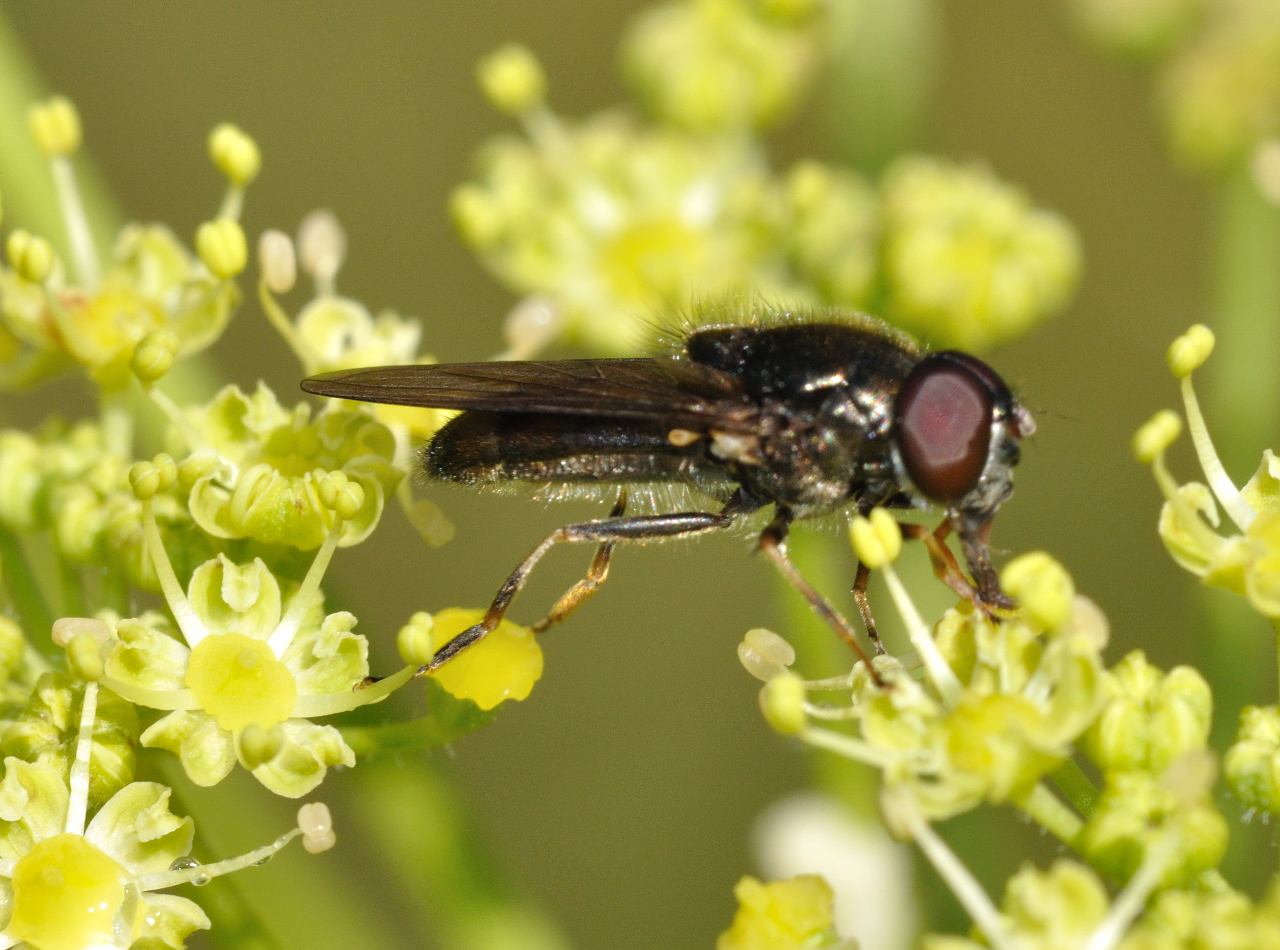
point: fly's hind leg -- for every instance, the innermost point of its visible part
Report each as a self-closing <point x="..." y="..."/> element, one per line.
<point x="605" y="532"/>
<point x="597" y="574"/>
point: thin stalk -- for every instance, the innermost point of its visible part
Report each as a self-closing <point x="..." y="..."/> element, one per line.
<point x="72" y="589"/>
<point x="1048" y="811"/>
<point x="29" y="196"/>
<point x="419" y="822"/>
<point x="24" y="590"/>
<point x="1241" y="398"/>
<point x="1076" y="787"/>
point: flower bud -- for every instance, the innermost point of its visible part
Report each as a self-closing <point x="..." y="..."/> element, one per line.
<point x="1134" y="812"/>
<point x="84" y="657"/>
<point x="277" y="261"/>
<point x="234" y="153"/>
<point x="13" y="647"/>
<point x="414" y="641"/>
<point x="1156" y="435"/>
<point x="55" y="125"/>
<point x="512" y="79"/>
<point x="154" y="355"/>
<point x="764" y="654"/>
<point x="1252" y="764"/>
<point x="1042" y="587"/>
<point x="221" y="245"/>
<point x="797" y="912"/>
<point x="148" y="479"/>
<point x="1188" y="352"/>
<point x="31" y="256"/>
<point x="877" y="539"/>
<point x="1151" y="718"/>
<point x="782" y="702"/>
<point x="340" y="494"/>
<point x="322" y="245"/>
<point x="1061" y="906"/>
<point x="476" y="215"/>
<point x="316" y="825"/>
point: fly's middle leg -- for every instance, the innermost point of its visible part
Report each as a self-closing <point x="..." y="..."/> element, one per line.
<point x="597" y="574"/>
<point x="605" y="532"/>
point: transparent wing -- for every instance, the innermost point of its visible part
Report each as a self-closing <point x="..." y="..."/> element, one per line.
<point x="679" y="393"/>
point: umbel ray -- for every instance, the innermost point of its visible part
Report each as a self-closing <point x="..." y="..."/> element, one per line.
<point x="806" y="413"/>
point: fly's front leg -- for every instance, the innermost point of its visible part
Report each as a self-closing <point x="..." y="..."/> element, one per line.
<point x="773" y="545"/>
<point x="597" y="574"/>
<point x="945" y="567"/>
<point x="606" y="532"/>
<point x="987" y="593"/>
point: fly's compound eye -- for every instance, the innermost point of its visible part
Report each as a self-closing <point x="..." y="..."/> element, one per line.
<point x="943" y="418"/>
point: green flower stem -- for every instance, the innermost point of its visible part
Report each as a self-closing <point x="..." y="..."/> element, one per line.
<point x="24" y="590"/>
<point x="1076" y="787"/>
<point x="29" y="196"/>
<point x="882" y="65"/>
<point x="115" y="591"/>
<point x="1244" y="384"/>
<point x="1242" y="396"/>
<point x="416" y="819"/>
<point x="1051" y="814"/>
<point x="72" y="589"/>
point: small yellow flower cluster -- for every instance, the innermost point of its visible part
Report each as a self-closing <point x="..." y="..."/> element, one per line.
<point x="1246" y="561"/>
<point x="613" y="222"/>
<point x="1219" y="66"/>
<point x="244" y="658"/>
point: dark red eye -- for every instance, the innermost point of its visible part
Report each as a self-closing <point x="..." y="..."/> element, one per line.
<point x="943" y="420"/>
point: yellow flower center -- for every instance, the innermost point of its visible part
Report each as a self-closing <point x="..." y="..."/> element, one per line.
<point x="650" y="260"/>
<point x="66" y="895"/>
<point x="239" y="681"/>
<point x="107" y="325"/>
<point x="504" y="665"/>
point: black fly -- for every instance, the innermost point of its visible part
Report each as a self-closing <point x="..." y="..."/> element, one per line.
<point x="808" y="416"/>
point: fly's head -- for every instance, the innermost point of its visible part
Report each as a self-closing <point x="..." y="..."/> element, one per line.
<point x="956" y="435"/>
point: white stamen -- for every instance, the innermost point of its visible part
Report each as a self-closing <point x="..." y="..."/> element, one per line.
<point x="1215" y="473"/>
<point x="189" y="622"/>
<point x="952" y="870"/>
<point x="1128" y="905"/>
<point x="76" y="223"/>
<point x="284" y="633"/>
<point x="78" y="786"/>
<point x="940" y="673"/>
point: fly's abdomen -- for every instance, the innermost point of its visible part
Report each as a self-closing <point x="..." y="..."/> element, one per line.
<point x="492" y="447"/>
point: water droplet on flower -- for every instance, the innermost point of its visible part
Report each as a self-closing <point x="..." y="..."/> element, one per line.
<point x="200" y="880"/>
<point x="265" y="859"/>
<point x="184" y="864"/>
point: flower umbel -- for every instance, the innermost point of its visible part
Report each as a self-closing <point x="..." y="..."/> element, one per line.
<point x="79" y="875"/>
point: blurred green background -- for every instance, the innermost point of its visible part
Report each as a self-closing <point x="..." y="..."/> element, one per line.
<point x="620" y="796"/>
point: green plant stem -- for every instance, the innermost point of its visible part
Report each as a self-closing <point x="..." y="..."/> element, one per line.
<point x="882" y="74"/>
<point x="24" y="589"/>
<point x="72" y="589"/>
<point x="414" y="816"/>
<point x="1244" y="386"/>
<point x="1076" y="786"/>
<point x="1048" y="811"/>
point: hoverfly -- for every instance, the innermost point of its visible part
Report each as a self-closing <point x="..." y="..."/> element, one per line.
<point x="807" y="415"/>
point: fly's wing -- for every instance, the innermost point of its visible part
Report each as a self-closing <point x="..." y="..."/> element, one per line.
<point x="679" y="393"/>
